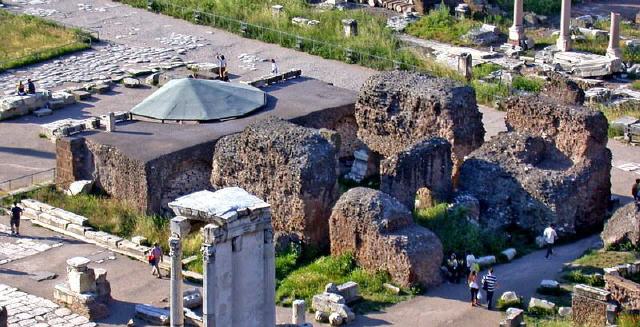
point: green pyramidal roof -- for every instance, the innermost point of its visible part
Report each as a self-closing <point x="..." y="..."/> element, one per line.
<point x="198" y="99"/>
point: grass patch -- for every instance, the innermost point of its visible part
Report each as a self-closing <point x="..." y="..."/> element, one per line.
<point x="604" y="259"/>
<point x="112" y="216"/>
<point x="636" y="85"/>
<point x="27" y="39"/>
<point x="488" y="93"/>
<point x="458" y="234"/>
<point x="440" y="25"/>
<point x="628" y="320"/>
<point x="310" y="279"/>
<point x="540" y="312"/>
<point x="547" y="321"/>
<point x="504" y="305"/>
<point x="527" y="84"/>
<point x="579" y="277"/>
<point x="483" y="70"/>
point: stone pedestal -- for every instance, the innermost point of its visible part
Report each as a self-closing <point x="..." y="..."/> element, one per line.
<point x="564" y="40"/>
<point x="86" y="292"/>
<point x="298" y="312"/>
<point x="465" y="65"/>
<point x="516" y="32"/>
<point x="111" y="122"/>
<point x="350" y="27"/>
<point x="613" y="51"/>
<point x="177" y="309"/>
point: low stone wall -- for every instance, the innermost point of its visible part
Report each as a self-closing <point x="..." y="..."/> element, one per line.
<point x="75" y="225"/>
<point x="16" y="105"/>
<point x="624" y="290"/>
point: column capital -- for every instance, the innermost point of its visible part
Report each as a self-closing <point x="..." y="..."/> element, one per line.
<point x="208" y="253"/>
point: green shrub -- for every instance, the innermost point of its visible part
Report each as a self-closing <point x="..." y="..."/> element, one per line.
<point x="483" y="70"/>
<point x="504" y="305"/>
<point x="628" y="320"/>
<point x="489" y="93"/>
<point x="578" y="277"/>
<point x="614" y="131"/>
<point x="440" y="25"/>
<point x="540" y="312"/>
<point x="308" y="280"/>
<point x="636" y="85"/>
<point x="527" y="84"/>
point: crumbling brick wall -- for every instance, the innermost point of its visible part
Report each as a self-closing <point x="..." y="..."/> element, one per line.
<point x="71" y="156"/>
<point x="623" y="290"/>
<point x="587" y="311"/>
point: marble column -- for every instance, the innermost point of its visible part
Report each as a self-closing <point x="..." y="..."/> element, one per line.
<point x="269" y="272"/>
<point x="209" y="284"/>
<point x="613" y="50"/>
<point x="298" y="312"/>
<point x="516" y="32"/>
<point x="176" y="296"/>
<point x="564" y="40"/>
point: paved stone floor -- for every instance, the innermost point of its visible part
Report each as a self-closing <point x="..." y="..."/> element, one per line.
<point x="14" y="248"/>
<point x="29" y="310"/>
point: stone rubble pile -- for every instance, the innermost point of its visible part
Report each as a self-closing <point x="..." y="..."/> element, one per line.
<point x="399" y="23"/>
<point x="70" y="126"/>
<point x="248" y="61"/>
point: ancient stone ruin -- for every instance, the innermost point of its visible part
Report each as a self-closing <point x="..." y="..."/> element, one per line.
<point x="292" y="167"/>
<point x="397" y="109"/>
<point x="424" y="166"/>
<point x="623" y="226"/>
<point x="86" y="292"/>
<point x="381" y="234"/>
<point x="552" y="166"/>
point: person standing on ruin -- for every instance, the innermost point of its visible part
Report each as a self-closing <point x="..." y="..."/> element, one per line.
<point x="550" y="237"/>
<point x="472" y="280"/>
<point x="16" y="212"/>
<point x="155" y="257"/>
<point x="222" y="64"/>
<point x="274" y="67"/>
<point x="489" y="283"/>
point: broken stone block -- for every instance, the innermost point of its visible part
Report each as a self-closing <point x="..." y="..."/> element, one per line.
<point x="81" y="95"/>
<point x="547" y="283"/>
<point x="509" y="253"/>
<point x="514" y="318"/>
<point x="349" y="291"/>
<point x="152" y="314"/>
<point x="509" y="296"/>
<point x="379" y="231"/>
<point x="139" y="240"/>
<point x="133" y="248"/>
<point x="42" y="112"/>
<point x="77" y="229"/>
<point x="397" y="109"/>
<point x="624" y="225"/>
<point x="321" y="316"/>
<point x="292" y="167"/>
<point x="486" y="261"/>
<point x="335" y="319"/>
<point x="131" y="82"/>
<point x="424" y="165"/>
<point x="69" y="216"/>
<point x="192" y="298"/>
<point x="82" y="281"/>
<point x="543" y="304"/>
<point x="564" y="311"/>
<point x="80" y="187"/>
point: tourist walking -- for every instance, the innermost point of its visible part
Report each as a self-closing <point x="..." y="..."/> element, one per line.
<point x="274" y="67"/>
<point x="155" y="257"/>
<point x="452" y="267"/>
<point x="550" y="237"/>
<point x="31" y="88"/>
<point x="222" y="63"/>
<point x="472" y="281"/>
<point x="21" y="89"/>
<point x="489" y="283"/>
<point x="16" y="212"/>
<point x="635" y="193"/>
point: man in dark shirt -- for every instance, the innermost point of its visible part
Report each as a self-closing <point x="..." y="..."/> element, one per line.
<point x="15" y="219"/>
<point x="31" y="88"/>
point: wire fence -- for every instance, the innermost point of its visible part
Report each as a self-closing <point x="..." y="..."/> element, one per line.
<point x="42" y="177"/>
<point x="270" y="35"/>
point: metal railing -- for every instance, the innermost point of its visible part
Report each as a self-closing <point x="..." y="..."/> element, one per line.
<point x="42" y="177"/>
<point x="270" y="35"/>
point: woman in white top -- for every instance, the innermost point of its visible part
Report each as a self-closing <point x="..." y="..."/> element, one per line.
<point x="472" y="280"/>
<point x="274" y="67"/>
